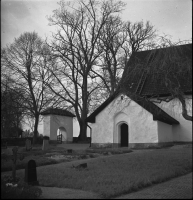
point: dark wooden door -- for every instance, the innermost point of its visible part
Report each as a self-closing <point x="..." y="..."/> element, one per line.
<point x="124" y="135"/>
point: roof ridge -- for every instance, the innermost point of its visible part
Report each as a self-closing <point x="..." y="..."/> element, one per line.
<point x="57" y="111"/>
<point x="162" y="48"/>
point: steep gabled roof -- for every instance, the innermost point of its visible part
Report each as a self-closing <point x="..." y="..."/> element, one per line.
<point x="141" y="82"/>
<point x="57" y="111"/>
<point x="158" y="113"/>
<point x="143" y="77"/>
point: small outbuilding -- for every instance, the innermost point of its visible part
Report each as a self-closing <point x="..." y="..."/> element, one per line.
<point x="56" y="122"/>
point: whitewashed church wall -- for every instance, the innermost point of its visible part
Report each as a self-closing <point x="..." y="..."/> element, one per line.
<point x="142" y="128"/>
<point x="102" y="129"/>
<point x="164" y="132"/>
<point x="120" y="118"/>
<point x="183" y="131"/>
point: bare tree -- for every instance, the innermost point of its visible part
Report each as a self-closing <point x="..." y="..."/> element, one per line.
<point x="140" y="36"/>
<point x="26" y="59"/>
<point x="110" y="65"/>
<point x="75" y="50"/>
<point x="11" y="113"/>
<point x="119" y="40"/>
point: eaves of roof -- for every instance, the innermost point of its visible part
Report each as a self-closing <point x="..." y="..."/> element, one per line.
<point x="158" y="113"/>
<point x="91" y="118"/>
<point x="57" y="111"/>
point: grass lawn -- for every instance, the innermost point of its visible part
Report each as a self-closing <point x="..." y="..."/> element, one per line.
<point x="111" y="176"/>
<point x="43" y="157"/>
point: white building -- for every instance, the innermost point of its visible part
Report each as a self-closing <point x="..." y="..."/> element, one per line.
<point x="130" y="118"/>
<point x="58" y="122"/>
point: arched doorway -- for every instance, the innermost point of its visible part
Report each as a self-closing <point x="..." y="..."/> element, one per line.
<point x="124" y="135"/>
<point x="62" y="131"/>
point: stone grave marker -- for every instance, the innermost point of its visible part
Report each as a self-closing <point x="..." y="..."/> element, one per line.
<point x="14" y="159"/>
<point x="69" y="150"/>
<point x="80" y="166"/>
<point x="28" y="145"/>
<point x="45" y="145"/>
<point x="31" y="173"/>
<point x="4" y="144"/>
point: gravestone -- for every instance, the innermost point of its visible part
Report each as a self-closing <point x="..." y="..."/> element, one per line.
<point x="80" y="166"/>
<point x="14" y="159"/>
<point x="31" y="173"/>
<point x="4" y="144"/>
<point x="69" y="150"/>
<point x="28" y="145"/>
<point x="45" y="145"/>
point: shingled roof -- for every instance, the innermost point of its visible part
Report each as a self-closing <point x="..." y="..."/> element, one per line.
<point x="158" y="113"/>
<point x="138" y="82"/>
<point x="143" y="76"/>
<point x="57" y="111"/>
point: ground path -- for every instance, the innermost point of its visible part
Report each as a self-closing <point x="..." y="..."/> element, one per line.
<point x="176" y="188"/>
<point x="64" y="193"/>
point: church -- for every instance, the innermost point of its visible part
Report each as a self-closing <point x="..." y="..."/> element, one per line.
<point x="146" y="112"/>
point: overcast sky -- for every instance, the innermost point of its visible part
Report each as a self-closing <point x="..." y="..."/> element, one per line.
<point x="171" y="17"/>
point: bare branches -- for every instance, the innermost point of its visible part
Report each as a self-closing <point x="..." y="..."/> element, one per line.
<point x="141" y="36"/>
<point x="184" y="108"/>
<point x="162" y="74"/>
<point x="118" y="40"/>
<point x="26" y="59"/>
<point x="76" y="50"/>
<point x="11" y="111"/>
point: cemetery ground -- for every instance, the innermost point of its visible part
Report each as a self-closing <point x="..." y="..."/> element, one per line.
<point x="109" y="172"/>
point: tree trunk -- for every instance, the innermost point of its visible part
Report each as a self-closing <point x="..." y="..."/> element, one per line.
<point x="36" y="129"/>
<point x="184" y="109"/>
<point x="82" y="122"/>
<point x="113" y="86"/>
<point x="83" y="128"/>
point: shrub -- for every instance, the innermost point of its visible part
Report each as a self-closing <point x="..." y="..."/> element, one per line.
<point x="40" y="140"/>
<point x="92" y="155"/>
<point x="87" y="140"/>
<point x="106" y="150"/>
<point x="83" y="156"/>
<point x="46" y="137"/>
<point x="17" y="141"/>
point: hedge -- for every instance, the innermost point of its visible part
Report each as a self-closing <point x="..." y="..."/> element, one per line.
<point x="75" y="140"/>
<point x="19" y="141"/>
